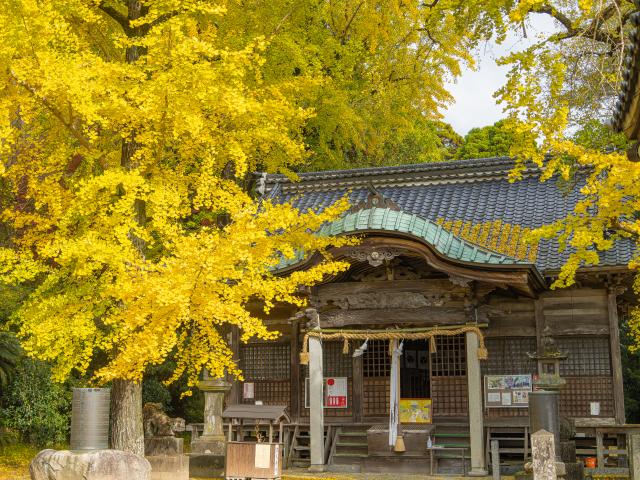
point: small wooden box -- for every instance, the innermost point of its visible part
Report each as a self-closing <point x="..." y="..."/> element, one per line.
<point x="415" y="440"/>
<point x="254" y="460"/>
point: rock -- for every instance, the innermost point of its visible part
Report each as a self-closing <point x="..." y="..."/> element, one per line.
<point x="165" y="467"/>
<point x="163" y="446"/>
<point x="206" y="465"/>
<point x="93" y="465"/>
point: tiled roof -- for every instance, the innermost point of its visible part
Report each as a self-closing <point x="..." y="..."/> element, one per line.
<point x="472" y="198"/>
<point x="630" y="87"/>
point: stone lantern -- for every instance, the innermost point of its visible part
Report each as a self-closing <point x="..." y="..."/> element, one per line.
<point x="208" y="450"/>
<point x="548" y="360"/>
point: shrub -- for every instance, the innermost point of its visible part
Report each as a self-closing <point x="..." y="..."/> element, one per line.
<point x="36" y="407"/>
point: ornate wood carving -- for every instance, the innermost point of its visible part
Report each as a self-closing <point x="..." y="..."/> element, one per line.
<point x="375" y="200"/>
<point x="386" y="300"/>
<point x="374" y="256"/>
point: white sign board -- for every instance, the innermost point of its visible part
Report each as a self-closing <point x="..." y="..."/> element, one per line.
<point x="248" y="390"/>
<point x="336" y="391"/>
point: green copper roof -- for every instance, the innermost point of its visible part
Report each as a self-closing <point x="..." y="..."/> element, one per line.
<point x="442" y="240"/>
<point x="389" y="220"/>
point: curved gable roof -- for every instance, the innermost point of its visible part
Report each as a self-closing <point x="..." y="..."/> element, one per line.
<point x="442" y="240"/>
<point x="473" y="199"/>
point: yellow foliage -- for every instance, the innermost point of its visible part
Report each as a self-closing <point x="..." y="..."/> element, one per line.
<point x="136" y="262"/>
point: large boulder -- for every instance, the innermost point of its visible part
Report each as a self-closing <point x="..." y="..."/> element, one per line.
<point x="94" y="465"/>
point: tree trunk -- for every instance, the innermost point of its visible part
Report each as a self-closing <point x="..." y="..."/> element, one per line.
<point x="127" y="430"/>
<point x="126" y="417"/>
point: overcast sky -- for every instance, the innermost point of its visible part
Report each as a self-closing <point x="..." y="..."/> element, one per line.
<point x="473" y="92"/>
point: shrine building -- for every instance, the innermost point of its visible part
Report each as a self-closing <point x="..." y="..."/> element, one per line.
<point x="442" y="271"/>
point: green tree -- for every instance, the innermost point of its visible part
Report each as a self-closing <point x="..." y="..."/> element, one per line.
<point x="596" y="135"/>
<point x="374" y="73"/>
<point x="9" y="357"/>
<point x="490" y="141"/>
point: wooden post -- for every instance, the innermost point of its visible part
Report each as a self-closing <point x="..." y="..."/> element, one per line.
<point x="295" y="371"/>
<point x="316" y="410"/>
<point x="358" y="389"/>
<point x="476" y="428"/>
<point x="599" y="448"/>
<point x="616" y="360"/>
<point x="543" y="453"/>
<point x="538" y="306"/>
<point x="235" y="394"/>
<point x="495" y="460"/>
<point x="633" y="446"/>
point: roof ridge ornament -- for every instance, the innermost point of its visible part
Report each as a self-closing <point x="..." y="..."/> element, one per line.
<point x="375" y="199"/>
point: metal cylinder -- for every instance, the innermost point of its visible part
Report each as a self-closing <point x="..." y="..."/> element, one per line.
<point x="90" y="419"/>
<point x="544" y="414"/>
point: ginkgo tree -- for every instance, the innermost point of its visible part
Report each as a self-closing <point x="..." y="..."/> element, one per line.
<point x="127" y="137"/>
<point x="565" y="81"/>
<point x="128" y="133"/>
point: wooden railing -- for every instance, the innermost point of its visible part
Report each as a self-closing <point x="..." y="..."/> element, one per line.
<point x="613" y="449"/>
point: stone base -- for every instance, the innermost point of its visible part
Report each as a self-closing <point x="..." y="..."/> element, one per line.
<point x="204" y="465"/>
<point x="169" y="467"/>
<point x="477" y="472"/>
<point x="574" y="471"/>
<point x="155" y="446"/>
<point x="209" y="445"/>
<point x="317" y="468"/>
<point x="93" y="465"/>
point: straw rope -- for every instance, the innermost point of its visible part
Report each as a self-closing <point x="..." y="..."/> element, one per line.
<point x="430" y="334"/>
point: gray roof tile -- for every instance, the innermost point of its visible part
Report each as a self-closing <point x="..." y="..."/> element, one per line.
<point x="473" y="192"/>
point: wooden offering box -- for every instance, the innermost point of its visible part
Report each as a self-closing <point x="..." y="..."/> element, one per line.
<point x="253" y="460"/>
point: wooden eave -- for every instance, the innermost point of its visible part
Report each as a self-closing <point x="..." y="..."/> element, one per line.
<point x="524" y="278"/>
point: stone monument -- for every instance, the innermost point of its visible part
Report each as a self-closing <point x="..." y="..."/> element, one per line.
<point x="161" y="447"/>
<point x="90" y="457"/>
<point x="208" y="450"/>
<point x="544" y="407"/>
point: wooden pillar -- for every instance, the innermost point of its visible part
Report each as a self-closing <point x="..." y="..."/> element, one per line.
<point x="295" y="371"/>
<point x="476" y="423"/>
<point x="235" y="394"/>
<point x="316" y="410"/>
<point x="358" y="389"/>
<point x="633" y="446"/>
<point x="616" y="360"/>
<point x="539" y="319"/>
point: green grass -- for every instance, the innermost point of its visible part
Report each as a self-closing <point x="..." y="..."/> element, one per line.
<point x="14" y="461"/>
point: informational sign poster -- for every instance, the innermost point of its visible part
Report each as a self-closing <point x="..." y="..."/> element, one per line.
<point x="263" y="455"/>
<point x="507" y="391"/>
<point x="415" y="410"/>
<point x="336" y="392"/>
<point x="248" y="390"/>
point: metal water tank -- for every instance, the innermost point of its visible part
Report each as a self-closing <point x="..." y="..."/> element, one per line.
<point x="90" y="419"/>
<point x="544" y="413"/>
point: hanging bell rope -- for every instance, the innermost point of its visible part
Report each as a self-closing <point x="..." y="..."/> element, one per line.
<point x="429" y="334"/>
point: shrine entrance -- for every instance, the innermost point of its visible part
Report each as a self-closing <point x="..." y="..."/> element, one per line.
<point x="414" y="370"/>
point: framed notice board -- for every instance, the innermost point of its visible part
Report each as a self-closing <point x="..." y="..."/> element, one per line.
<point x="415" y="410"/>
<point x="507" y="391"/>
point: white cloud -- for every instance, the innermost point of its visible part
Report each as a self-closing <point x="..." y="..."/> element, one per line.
<point x="474" y="105"/>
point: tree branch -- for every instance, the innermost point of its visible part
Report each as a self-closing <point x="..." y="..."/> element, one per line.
<point x="350" y="21"/>
<point x="558" y="15"/>
<point x="56" y="113"/>
<point x="115" y="15"/>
